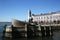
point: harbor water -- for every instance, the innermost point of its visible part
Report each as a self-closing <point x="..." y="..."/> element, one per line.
<point x="56" y="34"/>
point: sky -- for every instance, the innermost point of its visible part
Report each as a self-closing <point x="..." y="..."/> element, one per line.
<point x="18" y="9"/>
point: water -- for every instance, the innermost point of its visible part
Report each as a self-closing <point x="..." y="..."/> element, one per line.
<point x="2" y="25"/>
<point x="56" y="34"/>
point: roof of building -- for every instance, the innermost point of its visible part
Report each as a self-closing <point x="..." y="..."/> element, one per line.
<point x="50" y="13"/>
<point x="18" y="22"/>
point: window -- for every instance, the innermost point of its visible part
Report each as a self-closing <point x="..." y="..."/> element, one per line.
<point x="47" y="17"/>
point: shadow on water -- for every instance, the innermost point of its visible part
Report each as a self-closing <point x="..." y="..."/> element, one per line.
<point x="36" y="38"/>
<point x="40" y="38"/>
<point x="56" y="36"/>
<point x="14" y="38"/>
<point x="31" y="38"/>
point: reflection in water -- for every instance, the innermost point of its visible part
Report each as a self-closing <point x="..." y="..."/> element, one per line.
<point x="56" y="36"/>
<point x="36" y="38"/>
<point x="40" y="38"/>
<point x="14" y="38"/>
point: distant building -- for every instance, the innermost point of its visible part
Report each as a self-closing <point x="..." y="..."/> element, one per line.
<point x="52" y="17"/>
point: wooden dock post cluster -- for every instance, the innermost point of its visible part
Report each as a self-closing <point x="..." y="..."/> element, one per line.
<point x="30" y="31"/>
<point x="14" y="32"/>
<point x="46" y="31"/>
<point x="7" y="31"/>
<point x="42" y="31"/>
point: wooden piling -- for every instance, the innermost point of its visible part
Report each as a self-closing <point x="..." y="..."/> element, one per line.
<point x="4" y="30"/>
<point x="46" y="31"/>
<point x="7" y="32"/>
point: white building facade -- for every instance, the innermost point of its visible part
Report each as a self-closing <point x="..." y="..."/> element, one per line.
<point x="45" y="18"/>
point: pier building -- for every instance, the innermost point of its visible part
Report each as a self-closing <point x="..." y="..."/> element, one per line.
<point x="51" y="17"/>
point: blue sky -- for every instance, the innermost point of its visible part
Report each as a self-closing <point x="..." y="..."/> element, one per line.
<point x="18" y="9"/>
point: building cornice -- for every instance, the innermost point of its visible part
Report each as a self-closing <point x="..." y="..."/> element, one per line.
<point x="50" y="13"/>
